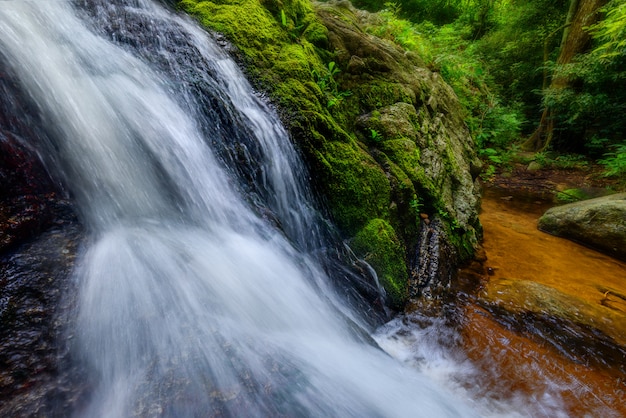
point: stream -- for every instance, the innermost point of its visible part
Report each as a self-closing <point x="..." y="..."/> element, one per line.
<point x="535" y="365"/>
<point x="535" y="362"/>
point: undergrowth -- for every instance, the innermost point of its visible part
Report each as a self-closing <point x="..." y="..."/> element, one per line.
<point x="449" y="51"/>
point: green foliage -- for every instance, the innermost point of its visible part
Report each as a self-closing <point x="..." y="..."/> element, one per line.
<point x="590" y="113"/>
<point x="496" y="125"/>
<point x="592" y="109"/>
<point x="492" y="155"/>
<point x="494" y="53"/>
<point x="437" y="11"/>
<point x="328" y="85"/>
<point x="494" y="158"/>
<point x="615" y="161"/>
<point x="375" y="136"/>
<point x="610" y="33"/>
<point x="571" y="195"/>
<point x="551" y="159"/>
<point x="403" y="32"/>
<point x="514" y="49"/>
<point x="416" y="204"/>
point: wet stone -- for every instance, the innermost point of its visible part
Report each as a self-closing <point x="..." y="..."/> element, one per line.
<point x="35" y="289"/>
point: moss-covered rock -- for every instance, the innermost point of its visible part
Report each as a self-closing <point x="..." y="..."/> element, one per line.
<point x="383" y="136"/>
<point x="247" y="23"/>
<point x="358" y="188"/>
<point x="384" y="252"/>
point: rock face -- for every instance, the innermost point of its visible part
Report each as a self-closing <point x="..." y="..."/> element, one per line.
<point x="598" y="223"/>
<point x="29" y="198"/>
<point x="382" y="135"/>
<point x="36" y="299"/>
<point x="38" y="242"/>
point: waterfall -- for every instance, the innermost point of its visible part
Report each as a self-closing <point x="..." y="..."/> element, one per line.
<point x="200" y="291"/>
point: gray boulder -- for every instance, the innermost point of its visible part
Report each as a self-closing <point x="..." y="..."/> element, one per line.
<point x="598" y="223"/>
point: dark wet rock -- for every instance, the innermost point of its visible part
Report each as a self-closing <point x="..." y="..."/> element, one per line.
<point x="35" y="300"/>
<point x="433" y="266"/>
<point x="598" y="223"/>
<point x="26" y="192"/>
<point x="29" y="197"/>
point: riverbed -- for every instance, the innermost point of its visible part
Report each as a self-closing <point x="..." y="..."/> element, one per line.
<point x="526" y="365"/>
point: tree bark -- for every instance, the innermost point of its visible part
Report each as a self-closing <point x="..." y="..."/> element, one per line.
<point x="575" y="40"/>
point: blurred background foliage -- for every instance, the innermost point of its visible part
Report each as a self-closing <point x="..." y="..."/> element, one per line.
<point x="500" y="55"/>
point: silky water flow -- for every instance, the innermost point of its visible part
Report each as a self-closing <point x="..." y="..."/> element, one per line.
<point x="200" y="292"/>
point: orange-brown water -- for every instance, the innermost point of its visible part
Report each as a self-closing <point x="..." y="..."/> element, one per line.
<point x="522" y="365"/>
<point x="517" y="250"/>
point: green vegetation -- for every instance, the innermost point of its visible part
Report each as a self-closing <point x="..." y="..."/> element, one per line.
<point x="508" y="59"/>
<point x="571" y="195"/>
<point x="368" y="121"/>
<point x="362" y="114"/>
<point x="378" y="241"/>
<point x="615" y="161"/>
<point x="449" y="50"/>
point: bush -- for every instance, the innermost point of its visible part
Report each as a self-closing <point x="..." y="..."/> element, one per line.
<point x="615" y="161"/>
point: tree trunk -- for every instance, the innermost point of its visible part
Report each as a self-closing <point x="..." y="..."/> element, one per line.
<point x="575" y="40"/>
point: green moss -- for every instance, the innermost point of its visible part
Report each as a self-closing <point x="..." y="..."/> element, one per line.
<point x="404" y="153"/>
<point x="293" y="93"/>
<point x="246" y="23"/>
<point x="380" y="93"/>
<point x="293" y="61"/>
<point x="378" y="244"/>
<point x="296" y="10"/>
<point x="357" y="188"/>
<point x="403" y="208"/>
<point x="316" y="34"/>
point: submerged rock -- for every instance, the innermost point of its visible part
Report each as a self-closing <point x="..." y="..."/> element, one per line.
<point x="598" y="223"/>
<point x="582" y="331"/>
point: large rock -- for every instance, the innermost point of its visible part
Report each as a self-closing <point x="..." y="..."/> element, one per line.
<point x="598" y="223"/>
<point x="29" y="198"/>
<point x="383" y="136"/>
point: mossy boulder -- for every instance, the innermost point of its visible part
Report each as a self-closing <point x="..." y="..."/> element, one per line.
<point x="382" y="135"/>
<point x="599" y="223"/>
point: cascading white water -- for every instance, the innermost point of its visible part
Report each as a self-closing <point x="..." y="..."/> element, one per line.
<point x="191" y="303"/>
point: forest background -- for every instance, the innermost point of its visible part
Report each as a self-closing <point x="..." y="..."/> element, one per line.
<point x="535" y="75"/>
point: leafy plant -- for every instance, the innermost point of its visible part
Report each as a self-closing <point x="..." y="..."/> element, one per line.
<point x="292" y="27"/>
<point x="416" y="204"/>
<point x="328" y="85"/>
<point x="493" y="155"/>
<point x="375" y="135"/>
<point x="550" y="159"/>
<point x="571" y="195"/>
<point x="615" y="161"/>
